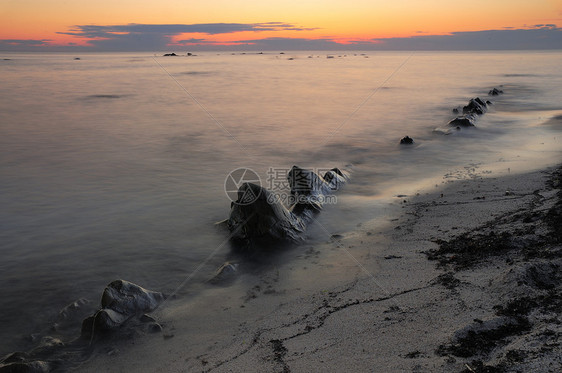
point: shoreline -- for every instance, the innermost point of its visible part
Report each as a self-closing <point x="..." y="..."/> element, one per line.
<point x="368" y="301"/>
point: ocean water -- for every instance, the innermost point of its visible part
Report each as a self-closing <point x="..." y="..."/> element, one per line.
<point x="114" y="165"/>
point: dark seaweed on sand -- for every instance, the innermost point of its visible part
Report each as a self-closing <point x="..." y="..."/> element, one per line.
<point x="468" y="249"/>
<point x="519" y="316"/>
<point x="471" y="248"/>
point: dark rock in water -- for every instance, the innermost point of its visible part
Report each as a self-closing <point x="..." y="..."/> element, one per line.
<point x="77" y="58"/>
<point x="125" y="297"/>
<point x="488" y="102"/>
<point x="407" y="140"/>
<point x="26" y="367"/>
<point x="455" y="111"/>
<point x="73" y="308"/>
<point x="264" y="219"/>
<point x="225" y="272"/>
<point x="475" y="106"/>
<point x="465" y="121"/>
<point x="108" y="319"/>
<point x="309" y="189"/>
<point x="480" y="101"/>
<point x="48" y="344"/>
<point x="170" y="54"/>
<point x="495" y="92"/>
<point x="87" y="327"/>
<point x="121" y="301"/>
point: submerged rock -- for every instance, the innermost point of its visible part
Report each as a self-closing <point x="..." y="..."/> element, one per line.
<point x="465" y="121"/>
<point x="225" y="272"/>
<point x="407" y="140"/>
<point x="495" y="92"/>
<point x="73" y="308"/>
<point x="475" y="106"/>
<point x="170" y="54"/>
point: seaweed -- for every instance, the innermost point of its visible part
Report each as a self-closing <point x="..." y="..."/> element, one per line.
<point x="465" y="251"/>
<point x="482" y="342"/>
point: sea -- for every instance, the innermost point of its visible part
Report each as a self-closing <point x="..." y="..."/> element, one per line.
<point x="115" y="165"/>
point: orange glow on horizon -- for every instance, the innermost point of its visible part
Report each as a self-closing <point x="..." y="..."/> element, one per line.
<point x="342" y="21"/>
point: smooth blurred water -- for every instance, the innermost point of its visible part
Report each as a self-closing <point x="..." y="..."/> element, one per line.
<point x="113" y="166"/>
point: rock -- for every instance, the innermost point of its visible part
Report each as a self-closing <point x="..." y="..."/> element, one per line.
<point x="258" y="216"/>
<point x="225" y="272"/>
<point x="107" y="319"/>
<point x="464" y="121"/>
<point x="406" y="140"/>
<point x="87" y="327"/>
<point x="455" y="111"/>
<point x="475" y="106"/>
<point x="121" y="300"/>
<point x="70" y="311"/>
<point x="264" y="218"/>
<point x="26" y="367"/>
<point x="170" y="54"/>
<point x="127" y="298"/>
<point x="479" y="101"/>
<point x="495" y="92"/>
<point x="48" y="344"/>
<point x="309" y="189"/>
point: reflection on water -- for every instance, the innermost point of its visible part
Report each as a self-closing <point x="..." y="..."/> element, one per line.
<point x="110" y="170"/>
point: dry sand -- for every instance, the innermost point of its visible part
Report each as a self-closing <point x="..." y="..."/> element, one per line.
<point x="465" y="279"/>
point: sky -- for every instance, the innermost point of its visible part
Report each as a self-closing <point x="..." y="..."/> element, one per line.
<point x="183" y="25"/>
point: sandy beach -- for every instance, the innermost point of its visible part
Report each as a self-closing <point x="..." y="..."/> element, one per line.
<point x="464" y="278"/>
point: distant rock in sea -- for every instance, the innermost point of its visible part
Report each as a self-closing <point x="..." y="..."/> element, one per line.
<point x="406" y="140"/>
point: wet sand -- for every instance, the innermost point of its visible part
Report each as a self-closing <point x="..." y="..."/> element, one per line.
<point x="465" y="278"/>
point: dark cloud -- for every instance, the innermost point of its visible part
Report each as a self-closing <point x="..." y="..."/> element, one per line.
<point x="149" y="37"/>
<point x="159" y="37"/>
<point x="195" y="41"/>
<point x="95" y="31"/>
<point x="25" y="42"/>
<point x="539" y="37"/>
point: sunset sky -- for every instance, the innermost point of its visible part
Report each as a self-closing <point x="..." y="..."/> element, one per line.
<point x="273" y="24"/>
